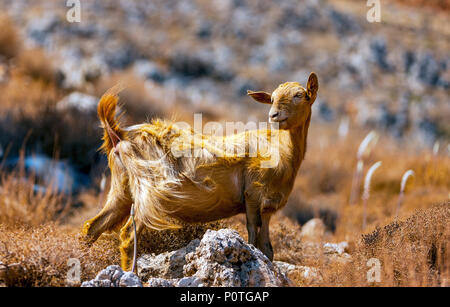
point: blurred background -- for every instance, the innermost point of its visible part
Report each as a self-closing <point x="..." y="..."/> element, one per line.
<point x="180" y="57"/>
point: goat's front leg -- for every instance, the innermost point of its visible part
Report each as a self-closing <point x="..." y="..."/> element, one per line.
<point x="253" y="220"/>
<point x="263" y="240"/>
<point x="112" y="216"/>
<point x="127" y="242"/>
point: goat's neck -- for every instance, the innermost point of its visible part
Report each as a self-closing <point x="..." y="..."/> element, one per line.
<point x="299" y="137"/>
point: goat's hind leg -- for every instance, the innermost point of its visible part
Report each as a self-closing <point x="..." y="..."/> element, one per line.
<point x="111" y="217"/>
<point x="127" y="243"/>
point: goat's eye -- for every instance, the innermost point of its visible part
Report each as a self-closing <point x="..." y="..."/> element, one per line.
<point x="298" y="97"/>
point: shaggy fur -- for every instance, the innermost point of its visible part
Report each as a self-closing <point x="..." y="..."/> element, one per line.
<point x="218" y="178"/>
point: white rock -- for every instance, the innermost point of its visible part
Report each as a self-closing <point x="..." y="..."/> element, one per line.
<point x="221" y="258"/>
<point x="313" y="230"/>
<point x="189" y="282"/>
<point x="224" y="259"/>
<point x="129" y="279"/>
<point x="309" y="275"/>
<point x="79" y="101"/>
<point x="166" y="265"/>
<point x="161" y="282"/>
<point x="335" y="248"/>
<point x="113" y="276"/>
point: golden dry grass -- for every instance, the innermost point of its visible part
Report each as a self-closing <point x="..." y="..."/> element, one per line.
<point x="10" y="43"/>
<point x="21" y="204"/>
<point x="412" y="252"/>
<point x="36" y="64"/>
<point x="43" y="253"/>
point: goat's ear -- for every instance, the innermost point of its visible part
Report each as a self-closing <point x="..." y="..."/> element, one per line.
<point x="262" y="97"/>
<point x="312" y="87"/>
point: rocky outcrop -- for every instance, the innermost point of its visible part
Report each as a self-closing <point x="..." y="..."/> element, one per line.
<point x="113" y="276"/>
<point x="224" y="259"/>
<point x="221" y="258"/>
<point x="168" y="265"/>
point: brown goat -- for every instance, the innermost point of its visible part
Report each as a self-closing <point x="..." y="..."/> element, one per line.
<point x="165" y="187"/>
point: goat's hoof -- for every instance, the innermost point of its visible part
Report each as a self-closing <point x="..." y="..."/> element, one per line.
<point x="126" y="264"/>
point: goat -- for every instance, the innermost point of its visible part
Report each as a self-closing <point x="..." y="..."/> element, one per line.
<point x="166" y="188"/>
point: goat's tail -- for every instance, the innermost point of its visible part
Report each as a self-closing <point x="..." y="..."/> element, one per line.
<point x="106" y="110"/>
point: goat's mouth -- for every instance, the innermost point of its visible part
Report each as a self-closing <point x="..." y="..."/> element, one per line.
<point x="278" y="120"/>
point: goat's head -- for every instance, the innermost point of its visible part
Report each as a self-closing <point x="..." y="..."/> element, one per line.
<point x="291" y="102"/>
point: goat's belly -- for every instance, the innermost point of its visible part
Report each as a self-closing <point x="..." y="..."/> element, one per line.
<point x="216" y="212"/>
<point x="222" y="201"/>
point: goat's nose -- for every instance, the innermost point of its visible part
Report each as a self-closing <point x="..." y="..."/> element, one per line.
<point x="274" y="114"/>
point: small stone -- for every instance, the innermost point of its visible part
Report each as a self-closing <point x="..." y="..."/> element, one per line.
<point x="189" y="282"/>
<point x="160" y="282"/>
<point x="335" y="248"/>
<point x="309" y="275"/>
<point x="129" y="279"/>
<point x="80" y="101"/>
<point x="313" y="230"/>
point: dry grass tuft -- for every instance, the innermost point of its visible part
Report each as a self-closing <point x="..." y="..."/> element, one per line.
<point x="22" y="204"/>
<point x="36" y="64"/>
<point x="42" y="254"/>
<point x="413" y="252"/>
<point x="10" y="43"/>
<point x="30" y="103"/>
<point x="152" y="241"/>
<point x="134" y="98"/>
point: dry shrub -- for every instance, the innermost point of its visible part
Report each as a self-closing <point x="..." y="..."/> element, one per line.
<point x="413" y="252"/>
<point x="41" y="249"/>
<point x="73" y="135"/>
<point x="38" y="96"/>
<point x="10" y="44"/>
<point x="156" y="242"/>
<point x="36" y="64"/>
<point x="434" y="4"/>
<point x="433" y="171"/>
<point x="285" y="237"/>
<point x="21" y="204"/>
<point x="134" y="99"/>
<point x="42" y="254"/>
<point x="32" y="115"/>
<point x="417" y="247"/>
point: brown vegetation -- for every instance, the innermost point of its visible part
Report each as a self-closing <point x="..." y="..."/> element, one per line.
<point x="10" y="43"/>
<point x="40" y="228"/>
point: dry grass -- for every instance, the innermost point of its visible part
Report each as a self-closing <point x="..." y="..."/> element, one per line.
<point x="43" y="253"/>
<point x="10" y="43"/>
<point x="36" y="64"/>
<point x="135" y="98"/>
<point x="21" y="204"/>
<point x="412" y="252"/>
<point x="39" y="233"/>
